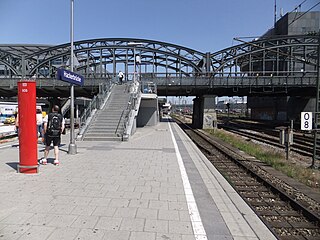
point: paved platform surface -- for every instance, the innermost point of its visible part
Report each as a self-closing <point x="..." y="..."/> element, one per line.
<point x="157" y="186"/>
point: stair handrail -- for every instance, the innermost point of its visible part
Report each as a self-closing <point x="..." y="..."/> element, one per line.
<point x="87" y="111"/>
<point x="132" y="89"/>
<point x="116" y="131"/>
<point x="104" y="94"/>
<point x="122" y="113"/>
<point x="97" y="102"/>
<point x="65" y="106"/>
<point x="131" y="108"/>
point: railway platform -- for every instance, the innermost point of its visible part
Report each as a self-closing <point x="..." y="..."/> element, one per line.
<point x="157" y="186"/>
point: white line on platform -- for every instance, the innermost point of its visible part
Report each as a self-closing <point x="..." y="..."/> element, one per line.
<point x="5" y="146"/>
<point x="198" y="229"/>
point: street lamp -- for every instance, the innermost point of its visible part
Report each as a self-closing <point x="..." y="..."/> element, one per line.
<point x="134" y="44"/>
<point x="72" y="146"/>
<point x="315" y="162"/>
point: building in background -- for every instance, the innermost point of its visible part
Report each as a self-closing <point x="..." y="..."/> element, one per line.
<point x="286" y="108"/>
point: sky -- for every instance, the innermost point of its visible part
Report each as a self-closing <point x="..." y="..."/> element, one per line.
<point x="203" y="25"/>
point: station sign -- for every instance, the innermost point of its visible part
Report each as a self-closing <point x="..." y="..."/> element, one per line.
<point x="70" y="77"/>
<point x="306" y="120"/>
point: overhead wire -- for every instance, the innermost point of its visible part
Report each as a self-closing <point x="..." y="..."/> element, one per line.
<point x="297" y="9"/>
<point x="299" y="6"/>
<point x="304" y="12"/>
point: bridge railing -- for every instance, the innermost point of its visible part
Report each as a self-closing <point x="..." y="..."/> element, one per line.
<point x="191" y="78"/>
<point x="233" y="79"/>
<point x="45" y="82"/>
<point x="174" y="84"/>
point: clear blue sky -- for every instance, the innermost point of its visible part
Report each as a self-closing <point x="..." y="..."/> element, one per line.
<point x="204" y="25"/>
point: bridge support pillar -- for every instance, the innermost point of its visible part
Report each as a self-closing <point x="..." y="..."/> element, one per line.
<point x="196" y="115"/>
<point x="204" y="113"/>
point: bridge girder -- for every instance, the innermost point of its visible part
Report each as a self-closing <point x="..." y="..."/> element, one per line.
<point x="287" y="50"/>
<point x="260" y="61"/>
<point x="269" y="56"/>
<point x="97" y="51"/>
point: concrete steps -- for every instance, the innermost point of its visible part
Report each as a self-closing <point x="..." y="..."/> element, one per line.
<point x="108" y="124"/>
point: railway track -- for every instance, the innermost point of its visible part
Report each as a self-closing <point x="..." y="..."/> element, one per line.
<point x="288" y="213"/>
<point x="302" y="143"/>
<point x="266" y="133"/>
<point x="300" y="146"/>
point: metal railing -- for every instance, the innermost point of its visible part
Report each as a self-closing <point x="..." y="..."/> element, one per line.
<point x="126" y="113"/>
<point x="65" y="106"/>
<point x="148" y="87"/>
<point x="303" y="78"/>
<point x="118" y="125"/>
<point x="233" y="79"/>
<point x="97" y="102"/>
<point x="88" y="110"/>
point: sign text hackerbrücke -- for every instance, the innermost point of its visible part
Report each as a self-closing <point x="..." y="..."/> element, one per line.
<point x="70" y="77"/>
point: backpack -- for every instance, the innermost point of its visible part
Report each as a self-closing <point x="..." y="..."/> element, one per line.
<point x="54" y="124"/>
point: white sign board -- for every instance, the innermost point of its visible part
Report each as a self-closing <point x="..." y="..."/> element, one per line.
<point x="306" y="120"/>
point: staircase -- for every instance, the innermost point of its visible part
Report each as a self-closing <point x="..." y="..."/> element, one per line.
<point x="108" y="123"/>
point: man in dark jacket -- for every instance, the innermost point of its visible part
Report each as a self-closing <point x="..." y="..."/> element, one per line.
<point x="53" y="125"/>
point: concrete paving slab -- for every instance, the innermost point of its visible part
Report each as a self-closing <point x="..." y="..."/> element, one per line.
<point x="64" y="233"/>
<point x="122" y="190"/>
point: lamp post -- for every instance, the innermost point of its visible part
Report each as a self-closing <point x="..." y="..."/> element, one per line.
<point x="315" y="161"/>
<point x="72" y="146"/>
<point x="134" y="64"/>
<point x="134" y="44"/>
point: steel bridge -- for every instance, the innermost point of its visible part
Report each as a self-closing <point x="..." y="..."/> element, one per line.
<point x="280" y="66"/>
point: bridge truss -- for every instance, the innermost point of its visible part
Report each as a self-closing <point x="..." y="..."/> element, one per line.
<point x="279" y="65"/>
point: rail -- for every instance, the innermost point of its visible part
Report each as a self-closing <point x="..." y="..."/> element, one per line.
<point x="234" y="79"/>
<point x="218" y="78"/>
<point x="97" y="102"/>
<point x="118" y="125"/>
<point x="134" y="91"/>
<point x="65" y="106"/>
<point x="87" y="111"/>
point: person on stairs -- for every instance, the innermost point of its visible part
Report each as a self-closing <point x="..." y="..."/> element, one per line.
<point x="121" y="76"/>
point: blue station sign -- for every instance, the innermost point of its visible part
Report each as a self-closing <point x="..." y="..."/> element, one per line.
<point x="70" y="77"/>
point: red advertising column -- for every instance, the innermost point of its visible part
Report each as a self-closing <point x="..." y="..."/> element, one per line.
<point x="28" y="138"/>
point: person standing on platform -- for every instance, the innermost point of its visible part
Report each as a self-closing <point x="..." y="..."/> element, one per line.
<point x="16" y="125"/>
<point x="120" y="75"/>
<point x="39" y="122"/>
<point x="53" y="125"/>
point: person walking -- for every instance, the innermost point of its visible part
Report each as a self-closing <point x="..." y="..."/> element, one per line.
<point x="120" y="75"/>
<point x="53" y="126"/>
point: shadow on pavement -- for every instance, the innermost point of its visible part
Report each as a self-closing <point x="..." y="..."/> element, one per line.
<point x="166" y="120"/>
<point x="13" y="165"/>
